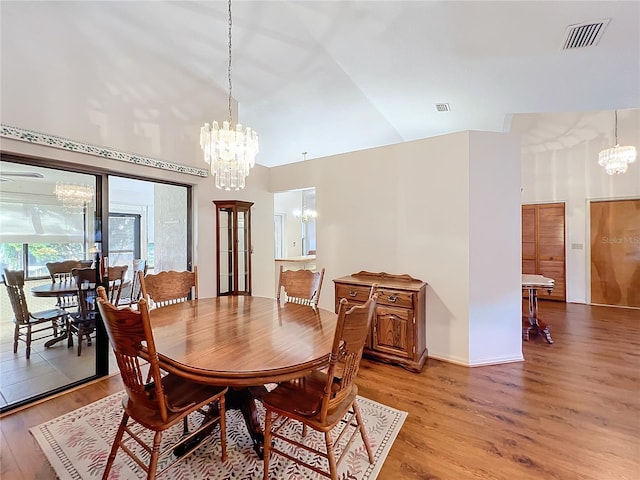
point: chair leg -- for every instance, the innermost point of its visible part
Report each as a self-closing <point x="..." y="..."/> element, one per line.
<point x="333" y="467"/>
<point x="116" y="445"/>
<point x="80" y="334"/>
<point x="16" y="335"/>
<point x="69" y="334"/>
<point x="223" y="427"/>
<point x="28" y="341"/>
<point x="363" y="432"/>
<point x="267" y="444"/>
<point x="155" y="453"/>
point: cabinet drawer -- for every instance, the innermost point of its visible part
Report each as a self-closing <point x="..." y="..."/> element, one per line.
<point x="396" y="298"/>
<point x="353" y="293"/>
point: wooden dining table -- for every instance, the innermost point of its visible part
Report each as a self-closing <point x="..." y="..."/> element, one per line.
<point x="242" y="342"/>
<point x="532" y="324"/>
<point x="59" y="289"/>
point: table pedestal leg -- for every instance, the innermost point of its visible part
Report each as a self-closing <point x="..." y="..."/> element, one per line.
<point x="532" y="323"/>
<point x="243" y="399"/>
<point x="64" y="335"/>
<point x="236" y="399"/>
<point x="535" y="326"/>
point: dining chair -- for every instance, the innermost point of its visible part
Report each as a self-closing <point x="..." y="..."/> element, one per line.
<point x="133" y="292"/>
<point x="169" y="287"/>
<point x="160" y="402"/>
<point x="24" y="321"/>
<point x="116" y="276"/>
<point x="83" y="322"/>
<point x="323" y="400"/>
<point x="60" y="272"/>
<point x="300" y="286"/>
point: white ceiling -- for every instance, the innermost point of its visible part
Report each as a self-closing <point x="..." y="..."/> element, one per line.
<point x="324" y="77"/>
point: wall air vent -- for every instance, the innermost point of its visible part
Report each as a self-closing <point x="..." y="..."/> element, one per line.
<point x="443" y="107"/>
<point x="585" y="34"/>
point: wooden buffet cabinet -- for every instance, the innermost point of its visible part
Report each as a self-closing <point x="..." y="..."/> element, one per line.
<point x="398" y="331"/>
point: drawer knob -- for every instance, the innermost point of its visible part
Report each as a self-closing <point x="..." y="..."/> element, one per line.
<point x="353" y="294"/>
<point x="393" y="298"/>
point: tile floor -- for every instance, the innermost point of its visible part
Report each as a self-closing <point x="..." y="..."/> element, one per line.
<point x="48" y="368"/>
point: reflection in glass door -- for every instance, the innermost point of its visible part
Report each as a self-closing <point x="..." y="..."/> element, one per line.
<point x="150" y="221"/>
<point x="53" y="214"/>
<point x="48" y="215"/>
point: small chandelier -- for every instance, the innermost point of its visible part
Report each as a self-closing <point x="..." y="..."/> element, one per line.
<point x="72" y="195"/>
<point x="231" y="152"/>
<point x="615" y="160"/>
<point x="305" y="215"/>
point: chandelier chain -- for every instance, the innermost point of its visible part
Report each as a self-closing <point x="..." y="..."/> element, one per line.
<point x="229" y="65"/>
<point x="615" y="128"/>
<point x="229" y="150"/>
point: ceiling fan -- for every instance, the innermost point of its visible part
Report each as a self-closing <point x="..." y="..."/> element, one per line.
<point x="4" y="175"/>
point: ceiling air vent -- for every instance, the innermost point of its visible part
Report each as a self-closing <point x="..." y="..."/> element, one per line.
<point x="443" y="107"/>
<point x="586" y="34"/>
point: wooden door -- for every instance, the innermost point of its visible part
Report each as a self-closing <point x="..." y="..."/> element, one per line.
<point x="529" y="241"/>
<point x="543" y="245"/>
<point x="615" y="252"/>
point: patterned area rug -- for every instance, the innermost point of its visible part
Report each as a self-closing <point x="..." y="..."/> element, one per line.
<point x="77" y="445"/>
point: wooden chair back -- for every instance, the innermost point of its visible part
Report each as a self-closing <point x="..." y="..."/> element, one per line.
<point x="85" y="279"/>
<point x="116" y="276"/>
<point x="348" y="344"/>
<point x="60" y="272"/>
<point x="155" y="401"/>
<point x="166" y="288"/>
<point x="131" y="294"/>
<point x="45" y="323"/>
<point x="300" y="286"/>
<point x="128" y="331"/>
<point x="14" y="281"/>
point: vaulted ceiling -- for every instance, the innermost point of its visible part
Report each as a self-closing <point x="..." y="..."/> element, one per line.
<point x="323" y="77"/>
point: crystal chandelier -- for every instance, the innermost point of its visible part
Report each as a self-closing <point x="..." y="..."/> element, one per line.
<point x="615" y="160"/>
<point x="231" y="152"/>
<point x="305" y="215"/>
<point x="72" y="195"/>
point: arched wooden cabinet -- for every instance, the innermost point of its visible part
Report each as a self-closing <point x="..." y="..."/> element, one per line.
<point x="233" y="247"/>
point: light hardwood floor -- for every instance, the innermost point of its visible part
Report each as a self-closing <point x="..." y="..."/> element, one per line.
<point x="570" y="411"/>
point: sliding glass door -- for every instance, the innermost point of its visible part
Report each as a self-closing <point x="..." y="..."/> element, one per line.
<point x="51" y="211"/>
<point x="48" y="215"/>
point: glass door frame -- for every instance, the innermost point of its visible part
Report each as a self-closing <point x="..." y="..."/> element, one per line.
<point x="101" y="176"/>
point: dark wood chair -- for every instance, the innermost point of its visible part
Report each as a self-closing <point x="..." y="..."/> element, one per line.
<point x="300" y="286"/>
<point x="133" y="291"/>
<point x="325" y="399"/>
<point x="116" y="276"/>
<point x="83" y="322"/>
<point x="162" y="401"/>
<point x="27" y="323"/>
<point x="166" y="288"/>
<point x="60" y="272"/>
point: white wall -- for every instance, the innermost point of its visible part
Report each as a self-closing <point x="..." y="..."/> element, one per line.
<point x="565" y="169"/>
<point x="409" y="208"/>
<point x="494" y="246"/>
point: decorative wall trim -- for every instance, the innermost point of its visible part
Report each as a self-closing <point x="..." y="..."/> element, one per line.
<point x="30" y="136"/>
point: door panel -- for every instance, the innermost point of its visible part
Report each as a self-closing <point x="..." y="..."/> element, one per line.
<point x="393" y="331"/>
<point x="543" y="245"/>
<point x="615" y="252"/>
